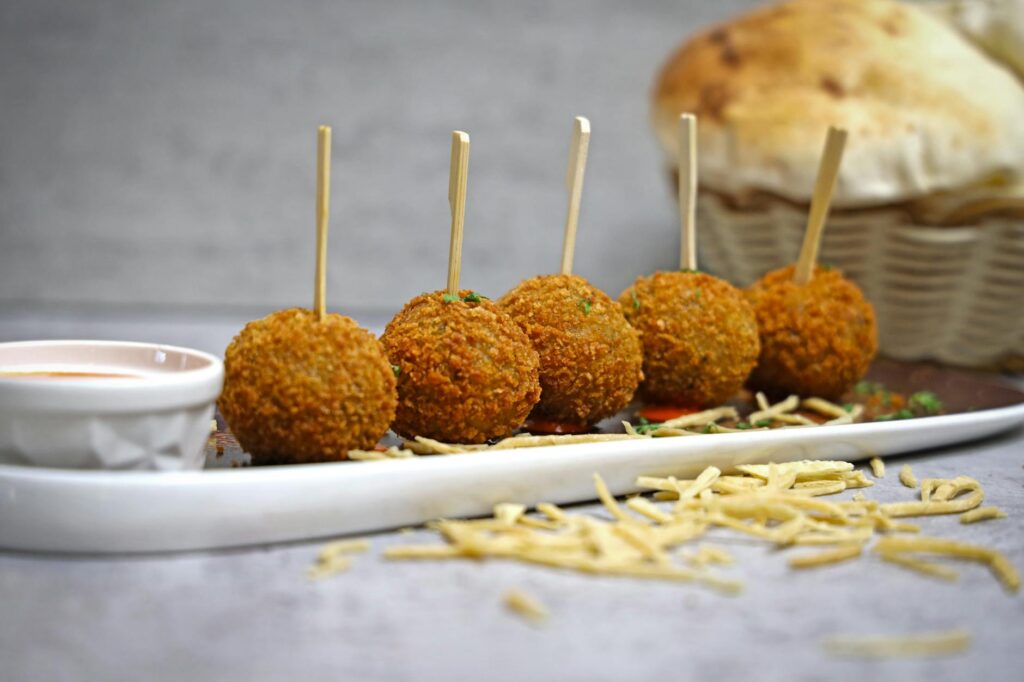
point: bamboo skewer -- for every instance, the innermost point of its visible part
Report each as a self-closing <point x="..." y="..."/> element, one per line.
<point x="574" y="185"/>
<point x="323" y="203"/>
<point x="824" y="186"/>
<point x="688" y="191"/>
<point x="457" y="200"/>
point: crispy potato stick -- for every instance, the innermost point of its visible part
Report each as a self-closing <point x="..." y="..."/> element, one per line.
<point x="332" y="559"/>
<point x="944" y="506"/>
<point x="780" y="480"/>
<point x="982" y="514"/>
<point x="773" y="411"/>
<point x="333" y="549"/>
<point x="819" y="487"/>
<point x="953" y="487"/>
<point x="829" y="556"/>
<point x="644" y="506"/>
<point x="702" y="483"/>
<point x="551" y="511"/>
<point x="527" y="606"/>
<point x="508" y="513"/>
<point x="665" y="432"/>
<point x="334" y="566"/>
<point x="877" y="467"/>
<point x="428" y="446"/>
<point x="701" y="418"/>
<point x="392" y="452"/>
<point x="921" y="566"/>
<point x="633" y="535"/>
<point x="996" y="560"/>
<point x="422" y="552"/>
<point x="709" y="555"/>
<point x="852" y="416"/>
<point x="527" y="441"/>
<point x="806" y="470"/>
<point x="824" y="407"/>
<point x="857" y="479"/>
<point x="907" y="476"/>
<point x="925" y="644"/>
<point x="609" y="502"/>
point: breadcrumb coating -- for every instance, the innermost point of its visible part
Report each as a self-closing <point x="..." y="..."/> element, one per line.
<point x="816" y="339"/>
<point x="590" y="359"/>
<point x="467" y="373"/>
<point x="699" y="337"/>
<point x="297" y="389"/>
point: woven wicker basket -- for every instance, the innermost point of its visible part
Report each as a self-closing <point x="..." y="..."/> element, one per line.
<point x="952" y="294"/>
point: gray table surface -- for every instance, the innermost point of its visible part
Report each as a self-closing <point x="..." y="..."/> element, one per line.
<point x="252" y="615"/>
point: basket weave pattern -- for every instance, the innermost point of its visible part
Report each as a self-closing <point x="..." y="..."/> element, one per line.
<point x="953" y="294"/>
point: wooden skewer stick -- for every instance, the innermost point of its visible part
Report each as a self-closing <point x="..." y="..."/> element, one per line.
<point x="323" y="204"/>
<point x="457" y="200"/>
<point x="824" y="186"/>
<point x="688" y="191"/>
<point x="574" y="185"/>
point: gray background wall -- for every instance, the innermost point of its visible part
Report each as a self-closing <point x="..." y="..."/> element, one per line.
<point x="163" y="152"/>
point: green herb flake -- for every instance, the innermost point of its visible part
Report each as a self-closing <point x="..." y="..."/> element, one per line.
<point x="397" y="370"/>
<point x="450" y="298"/>
<point x="892" y="416"/>
<point x="926" y="402"/>
<point x="636" y="301"/>
<point x="743" y="426"/>
<point x="643" y="426"/>
<point x="761" y="423"/>
<point x="825" y="266"/>
<point x="848" y="407"/>
<point x="585" y="305"/>
<point x="867" y="387"/>
<point x="696" y="293"/>
<point x="472" y="297"/>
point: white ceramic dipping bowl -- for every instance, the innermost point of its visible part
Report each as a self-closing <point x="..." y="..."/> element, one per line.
<point x="155" y="415"/>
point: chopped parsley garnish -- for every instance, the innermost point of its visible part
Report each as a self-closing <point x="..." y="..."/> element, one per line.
<point x="925" y="402"/>
<point x="397" y="370"/>
<point x="761" y="423"/>
<point x="899" y="414"/>
<point x="636" y="301"/>
<point x="644" y="426"/>
<point x="743" y="426"/>
<point x="471" y="297"/>
<point x="825" y="266"/>
<point x="585" y="305"/>
<point x="696" y="293"/>
<point x="872" y="388"/>
<point x="848" y="407"/>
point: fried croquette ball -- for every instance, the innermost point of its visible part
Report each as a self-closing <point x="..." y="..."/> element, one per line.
<point x="817" y="339"/>
<point x="298" y="389"/>
<point x="699" y="337"/>
<point x="466" y="372"/>
<point x="590" y="360"/>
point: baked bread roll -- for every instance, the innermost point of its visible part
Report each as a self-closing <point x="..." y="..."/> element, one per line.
<point x="929" y="114"/>
<point x="995" y="25"/>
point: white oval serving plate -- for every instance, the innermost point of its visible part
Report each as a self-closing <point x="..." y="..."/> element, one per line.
<point x="104" y="512"/>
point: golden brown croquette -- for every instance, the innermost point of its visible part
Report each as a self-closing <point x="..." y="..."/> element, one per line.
<point x="467" y="373"/>
<point x="699" y="337"/>
<point x="298" y="389"/>
<point x="816" y="339"/>
<point x="590" y="360"/>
